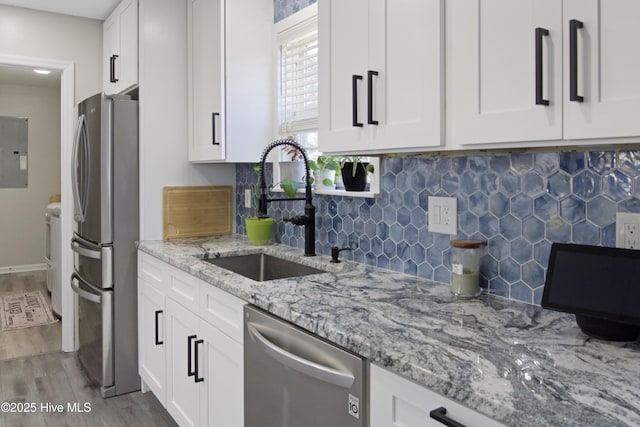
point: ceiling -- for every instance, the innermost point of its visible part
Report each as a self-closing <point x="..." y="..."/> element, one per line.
<point x="23" y="76"/>
<point x="95" y="9"/>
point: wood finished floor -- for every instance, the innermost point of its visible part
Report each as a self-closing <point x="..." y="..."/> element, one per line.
<point x="57" y="378"/>
<point x="28" y="341"/>
<point x="34" y="370"/>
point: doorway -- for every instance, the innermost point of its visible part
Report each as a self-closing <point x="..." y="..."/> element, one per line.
<point x="65" y="70"/>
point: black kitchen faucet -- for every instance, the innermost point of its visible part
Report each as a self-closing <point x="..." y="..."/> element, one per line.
<point x="309" y="217"/>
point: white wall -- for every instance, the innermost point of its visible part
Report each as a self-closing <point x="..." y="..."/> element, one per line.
<point x="22" y="213"/>
<point x="163" y="113"/>
<point x="26" y="32"/>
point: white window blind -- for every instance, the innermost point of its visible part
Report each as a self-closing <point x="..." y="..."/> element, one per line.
<point x="299" y="84"/>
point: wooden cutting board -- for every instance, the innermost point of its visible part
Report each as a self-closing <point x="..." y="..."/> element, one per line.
<point x="196" y="211"/>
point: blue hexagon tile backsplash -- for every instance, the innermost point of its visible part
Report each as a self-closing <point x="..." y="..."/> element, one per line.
<point x="518" y="203"/>
<point x="284" y="8"/>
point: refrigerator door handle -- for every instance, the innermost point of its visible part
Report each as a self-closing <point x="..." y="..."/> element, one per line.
<point x="304" y="366"/>
<point x="75" y="187"/>
<point x="86" y="169"/>
<point x="81" y="292"/>
<point x="86" y="252"/>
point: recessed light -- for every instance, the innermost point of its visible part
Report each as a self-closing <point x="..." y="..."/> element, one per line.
<point x="38" y="71"/>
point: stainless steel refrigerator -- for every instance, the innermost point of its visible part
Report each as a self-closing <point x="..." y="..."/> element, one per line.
<point x="105" y="198"/>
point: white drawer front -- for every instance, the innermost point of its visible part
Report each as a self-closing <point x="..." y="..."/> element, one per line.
<point x="183" y="288"/>
<point x="222" y="310"/>
<point x="151" y="270"/>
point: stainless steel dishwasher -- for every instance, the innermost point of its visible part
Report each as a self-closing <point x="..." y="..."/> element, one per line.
<point x="295" y="379"/>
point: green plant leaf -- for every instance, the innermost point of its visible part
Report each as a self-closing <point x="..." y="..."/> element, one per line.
<point x="290" y="187"/>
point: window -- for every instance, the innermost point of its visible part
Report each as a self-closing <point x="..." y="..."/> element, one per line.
<point x="297" y="38"/>
<point x="297" y="71"/>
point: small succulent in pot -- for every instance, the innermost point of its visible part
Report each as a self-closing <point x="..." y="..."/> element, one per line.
<point x="293" y="170"/>
<point x="324" y="168"/>
<point x="354" y="173"/>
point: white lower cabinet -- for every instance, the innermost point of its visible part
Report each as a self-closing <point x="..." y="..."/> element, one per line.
<point x="151" y="338"/>
<point x="191" y="355"/>
<point x="183" y="392"/>
<point x="151" y="321"/>
<point x="397" y="402"/>
<point x="222" y="399"/>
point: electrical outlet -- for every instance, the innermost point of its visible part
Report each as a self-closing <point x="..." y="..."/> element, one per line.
<point x="442" y="215"/>
<point x="631" y="236"/>
<point x="628" y="230"/>
<point x="247" y="198"/>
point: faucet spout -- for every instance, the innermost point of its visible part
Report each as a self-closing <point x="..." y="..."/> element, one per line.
<point x="309" y="217"/>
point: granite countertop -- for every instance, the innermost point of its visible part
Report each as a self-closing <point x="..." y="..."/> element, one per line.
<point x="517" y="363"/>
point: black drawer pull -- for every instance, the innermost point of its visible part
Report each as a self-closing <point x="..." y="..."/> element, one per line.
<point x="112" y="63"/>
<point x="370" y="75"/>
<point x="440" y="415"/>
<point x="190" y="372"/>
<point x="200" y="379"/>
<point x="574" y="25"/>
<point x="213" y="128"/>
<point x="354" y="99"/>
<point x="158" y="342"/>
<point x="540" y="33"/>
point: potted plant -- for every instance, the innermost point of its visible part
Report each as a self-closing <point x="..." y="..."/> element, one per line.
<point x="354" y="173"/>
<point x="259" y="230"/>
<point x="324" y="172"/>
<point x="292" y="169"/>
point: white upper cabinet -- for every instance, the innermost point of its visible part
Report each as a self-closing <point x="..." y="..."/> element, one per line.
<point x="381" y="75"/>
<point x="206" y="79"/>
<point x="605" y="71"/>
<point x="230" y="79"/>
<point x="535" y="72"/>
<point x="120" y="48"/>
<point x="504" y="80"/>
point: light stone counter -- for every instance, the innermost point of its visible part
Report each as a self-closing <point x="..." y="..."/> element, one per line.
<point x="514" y="362"/>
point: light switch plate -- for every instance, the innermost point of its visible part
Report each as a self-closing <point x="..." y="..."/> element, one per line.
<point x="628" y="230"/>
<point x="247" y="198"/>
<point x="442" y="215"/>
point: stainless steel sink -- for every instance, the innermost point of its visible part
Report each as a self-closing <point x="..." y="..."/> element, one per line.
<point x="263" y="267"/>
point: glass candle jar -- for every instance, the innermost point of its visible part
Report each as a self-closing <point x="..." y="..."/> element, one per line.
<point x="465" y="267"/>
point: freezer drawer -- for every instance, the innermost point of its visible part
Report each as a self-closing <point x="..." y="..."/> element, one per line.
<point x="93" y="262"/>
<point x="95" y="327"/>
<point x="293" y="378"/>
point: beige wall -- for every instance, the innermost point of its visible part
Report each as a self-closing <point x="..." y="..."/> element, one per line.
<point x="43" y="35"/>
<point x="22" y="210"/>
<point x="26" y="32"/>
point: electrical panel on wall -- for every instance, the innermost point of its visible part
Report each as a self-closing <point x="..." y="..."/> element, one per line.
<point x="13" y="152"/>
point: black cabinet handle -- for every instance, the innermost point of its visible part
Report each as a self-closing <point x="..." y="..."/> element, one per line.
<point x="440" y="415"/>
<point x="354" y="98"/>
<point x="198" y="380"/>
<point x="213" y="128"/>
<point x="540" y="33"/>
<point x="574" y="26"/>
<point x="158" y="342"/>
<point x="370" y="75"/>
<point x="112" y="63"/>
<point x="190" y="372"/>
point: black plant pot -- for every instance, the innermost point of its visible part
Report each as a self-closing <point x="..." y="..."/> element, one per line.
<point x="356" y="182"/>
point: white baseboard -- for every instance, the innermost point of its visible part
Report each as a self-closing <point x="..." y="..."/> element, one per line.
<point x="23" y="268"/>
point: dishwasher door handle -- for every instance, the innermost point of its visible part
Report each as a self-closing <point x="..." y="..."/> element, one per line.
<point x="304" y="366"/>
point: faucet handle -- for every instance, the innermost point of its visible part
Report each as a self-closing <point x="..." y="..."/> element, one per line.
<point x="297" y="220"/>
<point x="335" y="251"/>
